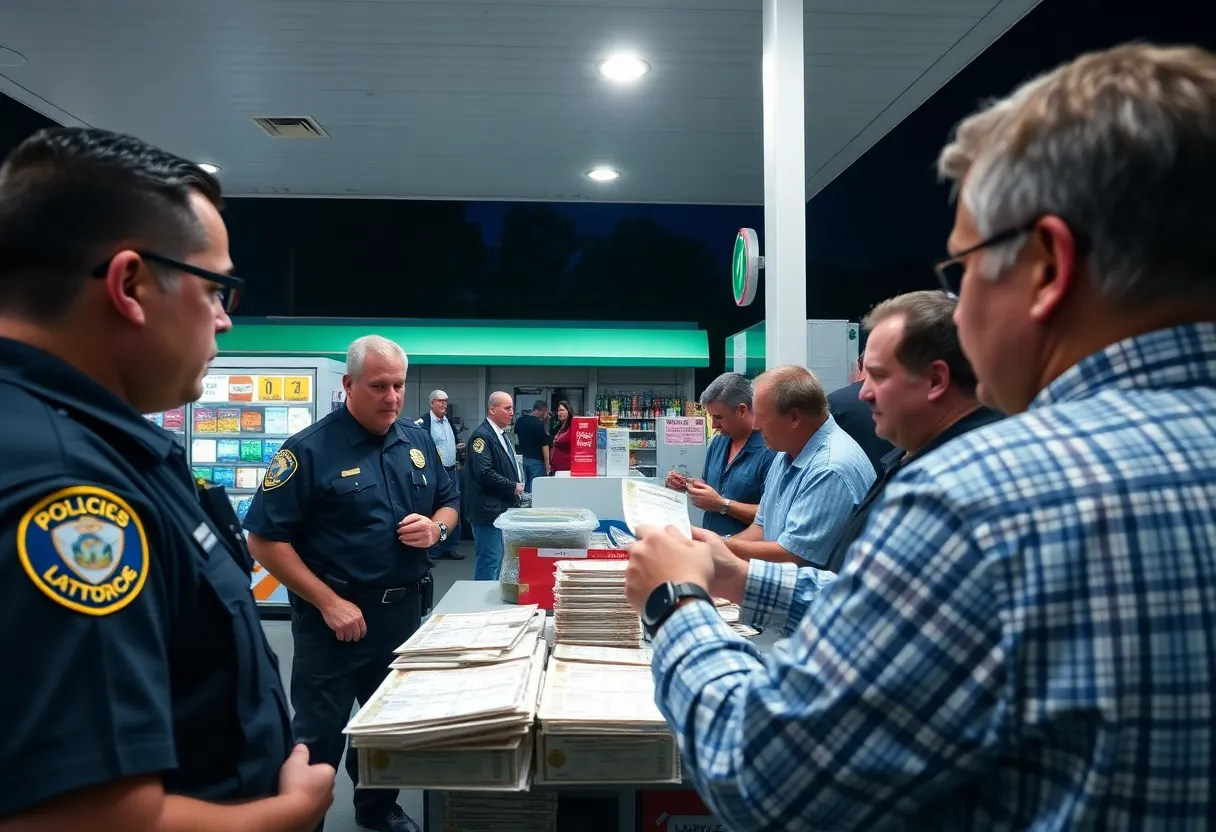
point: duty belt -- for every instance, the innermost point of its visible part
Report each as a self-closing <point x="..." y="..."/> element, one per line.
<point x="356" y="592"/>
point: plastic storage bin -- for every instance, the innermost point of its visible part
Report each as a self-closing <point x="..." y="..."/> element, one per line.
<point x="539" y="528"/>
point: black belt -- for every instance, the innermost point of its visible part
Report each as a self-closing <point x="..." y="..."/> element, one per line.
<point x="361" y="592"/>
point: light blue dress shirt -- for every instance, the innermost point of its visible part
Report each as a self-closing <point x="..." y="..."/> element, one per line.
<point x="445" y="440"/>
<point x="808" y="499"/>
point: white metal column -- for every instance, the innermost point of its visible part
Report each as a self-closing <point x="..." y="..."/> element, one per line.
<point x="784" y="243"/>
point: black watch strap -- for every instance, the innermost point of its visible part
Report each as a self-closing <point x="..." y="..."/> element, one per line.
<point x="665" y="599"/>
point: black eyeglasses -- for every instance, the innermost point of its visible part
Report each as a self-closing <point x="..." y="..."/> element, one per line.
<point x="950" y="269"/>
<point x="232" y="286"/>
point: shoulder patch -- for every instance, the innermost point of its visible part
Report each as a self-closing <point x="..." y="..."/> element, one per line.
<point x="416" y="457"/>
<point x="282" y="465"/>
<point x="85" y="548"/>
<point x="479" y="445"/>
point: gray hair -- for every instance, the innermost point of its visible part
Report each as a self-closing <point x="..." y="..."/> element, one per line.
<point x="730" y="390"/>
<point x="1117" y="143"/>
<point x="795" y="388"/>
<point x="493" y="401"/>
<point x="438" y="395"/>
<point x="357" y="352"/>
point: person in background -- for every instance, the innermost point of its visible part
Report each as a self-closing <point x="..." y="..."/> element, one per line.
<point x="436" y="422"/>
<point x="534" y="441"/>
<point x="559" y="455"/>
<point x="140" y="694"/>
<point x="920" y="388"/>
<point x="736" y="462"/>
<point x="817" y="478"/>
<point x="493" y="484"/>
<point x="344" y="519"/>
<point x="857" y="419"/>
<point x="1022" y="637"/>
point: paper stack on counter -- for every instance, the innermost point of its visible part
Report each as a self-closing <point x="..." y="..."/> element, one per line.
<point x="589" y="605"/>
<point x="599" y="724"/>
<point x="467" y="726"/>
<point x="635" y="656"/>
<point x="454" y="640"/>
<point x="730" y="614"/>
<point x="487" y="812"/>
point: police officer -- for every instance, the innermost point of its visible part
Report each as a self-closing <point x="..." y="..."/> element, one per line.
<point x="493" y="484"/>
<point x="143" y="694"/>
<point x="344" y="519"/>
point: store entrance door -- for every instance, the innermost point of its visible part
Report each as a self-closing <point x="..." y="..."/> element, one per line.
<point x="526" y="397"/>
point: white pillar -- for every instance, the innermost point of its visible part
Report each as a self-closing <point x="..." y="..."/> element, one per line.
<point x="784" y="243"/>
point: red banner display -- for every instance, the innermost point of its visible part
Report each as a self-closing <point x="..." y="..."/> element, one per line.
<point x="582" y="446"/>
<point x="538" y="567"/>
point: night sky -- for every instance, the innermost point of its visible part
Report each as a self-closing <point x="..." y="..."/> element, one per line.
<point x="871" y="233"/>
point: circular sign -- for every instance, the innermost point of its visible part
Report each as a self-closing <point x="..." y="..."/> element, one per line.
<point x="745" y="266"/>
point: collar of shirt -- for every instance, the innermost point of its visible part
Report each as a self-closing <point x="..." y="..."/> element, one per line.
<point x="1179" y="356"/>
<point x="356" y="433"/>
<point x="502" y="438"/>
<point x="68" y="389"/>
<point x="817" y="441"/>
<point x="977" y="418"/>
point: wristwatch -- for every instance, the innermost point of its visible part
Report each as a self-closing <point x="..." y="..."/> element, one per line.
<point x="725" y="507"/>
<point x="663" y="601"/>
<point x="443" y="531"/>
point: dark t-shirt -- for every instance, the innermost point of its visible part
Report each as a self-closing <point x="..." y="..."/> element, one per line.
<point x="530" y="432"/>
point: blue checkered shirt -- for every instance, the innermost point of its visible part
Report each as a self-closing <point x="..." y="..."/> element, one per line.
<point x="1024" y="636"/>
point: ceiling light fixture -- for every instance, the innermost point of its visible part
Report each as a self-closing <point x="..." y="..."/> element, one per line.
<point x="209" y="168"/>
<point x="623" y="69"/>
<point x="603" y="174"/>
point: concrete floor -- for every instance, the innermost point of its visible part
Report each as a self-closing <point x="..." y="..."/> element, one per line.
<point x="341" y="816"/>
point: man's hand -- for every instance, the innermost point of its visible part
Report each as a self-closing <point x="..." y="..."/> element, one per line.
<point x="311" y="785"/>
<point x="418" y="531"/>
<point x="460" y="446"/>
<point x="345" y="619"/>
<point x="675" y="481"/>
<point x="662" y="555"/>
<point x="730" y="572"/>
<point x="704" y="497"/>
<point x="519" y="488"/>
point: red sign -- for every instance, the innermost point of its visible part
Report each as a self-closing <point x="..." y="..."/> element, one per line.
<point x="582" y="446"/>
<point x="538" y="567"/>
<point x="676" y="811"/>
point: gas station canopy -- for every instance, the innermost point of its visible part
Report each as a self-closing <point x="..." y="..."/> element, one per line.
<point x="484" y="99"/>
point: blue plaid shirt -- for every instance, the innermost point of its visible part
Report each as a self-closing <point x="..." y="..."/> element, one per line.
<point x="1024" y="636"/>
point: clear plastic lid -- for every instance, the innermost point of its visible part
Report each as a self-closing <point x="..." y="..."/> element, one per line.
<point x="530" y="522"/>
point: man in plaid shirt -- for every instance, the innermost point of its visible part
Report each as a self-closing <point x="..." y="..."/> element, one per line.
<point x="1025" y="634"/>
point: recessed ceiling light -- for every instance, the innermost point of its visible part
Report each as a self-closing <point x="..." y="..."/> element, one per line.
<point x="209" y="168"/>
<point x="623" y="68"/>
<point x="603" y="174"/>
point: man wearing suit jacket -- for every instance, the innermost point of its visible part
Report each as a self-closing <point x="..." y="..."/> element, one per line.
<point x="493" y="484"/>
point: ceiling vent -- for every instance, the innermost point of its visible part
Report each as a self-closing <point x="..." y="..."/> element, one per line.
<point x="291" y="127"/>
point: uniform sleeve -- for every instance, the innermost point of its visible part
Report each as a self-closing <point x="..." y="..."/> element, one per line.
<point x="84" y="613"/>
<point x="482" y="468"/>
<point x="818" y="513"/>
<point x="280" y="506"/>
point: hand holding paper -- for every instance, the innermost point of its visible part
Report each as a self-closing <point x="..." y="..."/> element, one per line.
<point x="649" y="505"/>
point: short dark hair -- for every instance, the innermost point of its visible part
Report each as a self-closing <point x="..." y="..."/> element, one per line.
<point x="929" y="334"/>
<point x="69" y="194"/>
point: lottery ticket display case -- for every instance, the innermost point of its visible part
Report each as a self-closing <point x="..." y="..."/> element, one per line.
<point x="249" y="407"/>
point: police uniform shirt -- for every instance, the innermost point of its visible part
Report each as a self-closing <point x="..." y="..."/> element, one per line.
<point x="131" y="640"/>
<point x="338" y="493"/>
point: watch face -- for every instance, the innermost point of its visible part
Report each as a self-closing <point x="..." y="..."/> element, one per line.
<point x="660" y="600"/>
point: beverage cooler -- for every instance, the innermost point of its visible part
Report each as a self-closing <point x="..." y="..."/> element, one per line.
<point x="249" y="407"/>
